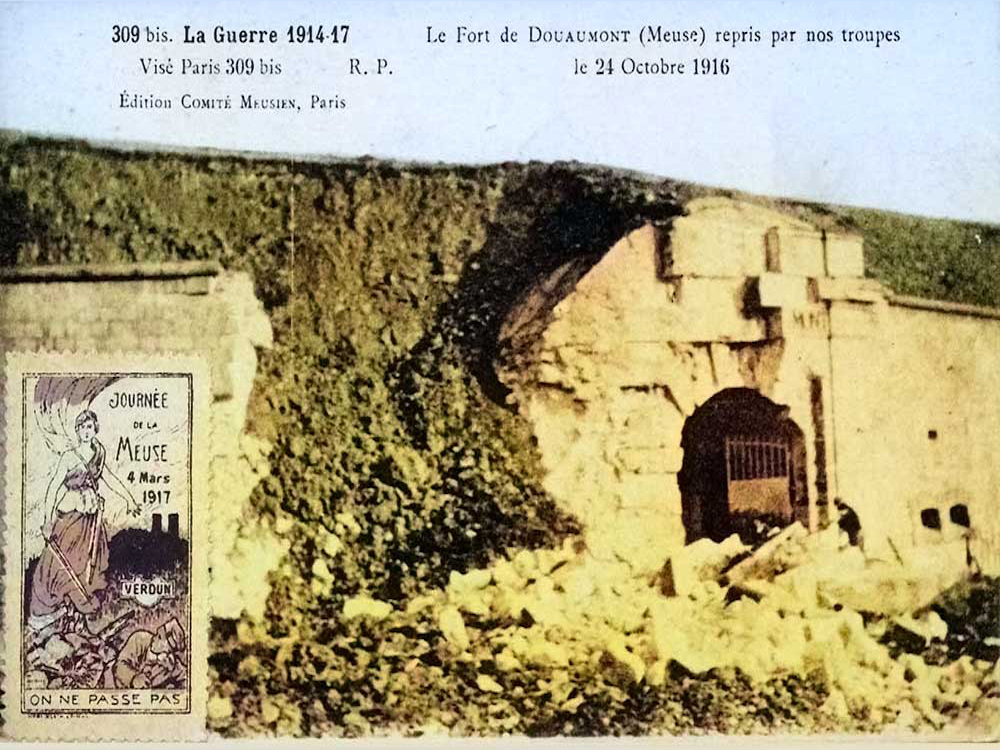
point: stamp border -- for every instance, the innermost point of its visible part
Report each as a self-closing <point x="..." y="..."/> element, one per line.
<point x="85" y="724"/>
<point x="23" y="406"/>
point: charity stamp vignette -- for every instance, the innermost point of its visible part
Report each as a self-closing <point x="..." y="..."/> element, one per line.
<point x="105" y="532"/>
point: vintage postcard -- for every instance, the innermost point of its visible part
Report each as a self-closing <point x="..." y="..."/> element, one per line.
<point x="493" y="369"/>
<point x="105" y="500"/>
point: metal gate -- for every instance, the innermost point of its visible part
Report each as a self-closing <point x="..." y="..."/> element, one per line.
<point x="758" y="475"/>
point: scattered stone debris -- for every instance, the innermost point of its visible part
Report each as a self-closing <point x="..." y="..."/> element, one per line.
<point x="363" y="606"/>
<point x="725" y="638"/>
<point x="971" y="612"/>
<point x="219" y="707"/>
<point x="771" y="613"/>
<point x="388" y="364"/>
<point x="76" y="657"/>
<point x="453" y="627"/>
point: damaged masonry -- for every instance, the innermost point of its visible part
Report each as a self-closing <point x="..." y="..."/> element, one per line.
<point x="740" y="368"/>
<point x="698" y="390"/>
<point x="702" y="399"/>
<point x="546" y="449"/>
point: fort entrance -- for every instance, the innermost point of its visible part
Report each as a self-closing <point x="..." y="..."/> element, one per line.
<point x="744" y="467"/>
<point x="736" y="372"/>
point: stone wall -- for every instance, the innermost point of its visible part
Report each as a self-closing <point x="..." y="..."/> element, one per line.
<point x="188" y="308"/>
<point x="609" y="360"/>
<point x="918" y="422"/>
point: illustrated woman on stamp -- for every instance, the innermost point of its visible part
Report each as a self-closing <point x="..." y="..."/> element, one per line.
<point x="104" y="473"/>
<point x="105" y="531"/>
<point x="73" y="564"/>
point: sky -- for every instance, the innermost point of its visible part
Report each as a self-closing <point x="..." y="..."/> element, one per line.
<point x="911" y="125"/>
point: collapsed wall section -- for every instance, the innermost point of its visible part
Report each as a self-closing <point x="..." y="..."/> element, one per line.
<point x="609" y="372"/>
<point x="890" y="401"/>
<point x="186" y="308"/>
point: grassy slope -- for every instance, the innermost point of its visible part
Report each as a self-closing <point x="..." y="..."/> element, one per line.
<point x="379" y="395"/>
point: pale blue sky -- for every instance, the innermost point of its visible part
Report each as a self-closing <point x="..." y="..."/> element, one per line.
<point x="912" y="126"/>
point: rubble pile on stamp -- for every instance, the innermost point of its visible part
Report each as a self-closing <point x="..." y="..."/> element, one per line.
<point x="77" y="659"/>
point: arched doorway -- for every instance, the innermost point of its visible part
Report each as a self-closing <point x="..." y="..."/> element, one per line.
<point x="744" y="467"/>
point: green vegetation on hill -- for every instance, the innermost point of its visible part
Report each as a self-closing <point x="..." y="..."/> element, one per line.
<point x="386" y="286"/>
<point x="935" y="258"/>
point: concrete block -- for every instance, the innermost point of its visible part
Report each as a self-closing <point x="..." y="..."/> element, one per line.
<point x="157" y="327"/>
<point x="105" y="313"/>
<point x="779" y="290"/>
<point x="646" y="418"/>
<point x="86" y="311"/>
<point x="624" y="298"/>
<point x="26" y="302"/>
<point x="640" y="321"/>
<point x="127" y="288"/>
<point x="26" y="329"/>
<point x="222" y="384"/>
<point x="845" y="255"/>
<point x="628" y="271"/>
<point x="852" y="290"/>
<point x="774" y="323"/>
<point x="630" y="364"/>
<point x="726" y="366"/>
<point x="854" y="320"/>
<point x="716" y="310"/>
<point x="177" y="343"/>
<point x="15" y="304"/>
<point x="192" y="285"/>
<point x="703" y="382"/>
<point x="87" y="344"/>
<point x="805" y="321"/>
<point x="702" y="245"/>
<point x="801" y="252"/>
<point x="64" y="343"/>
<point x="213" y="322"/>
<point x="229" y="323"/>
<point x="725" y="237"/>
<point x="58" y="327"/>
<point x="645" y="538"/>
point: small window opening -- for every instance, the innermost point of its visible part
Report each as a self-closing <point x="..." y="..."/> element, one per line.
<point x="959" y="515"/>
<point x="931" y="518"/>
<point x="932" y="434"/>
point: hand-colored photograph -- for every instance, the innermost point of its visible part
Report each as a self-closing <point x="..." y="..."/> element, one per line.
<point x="545" y="445"/>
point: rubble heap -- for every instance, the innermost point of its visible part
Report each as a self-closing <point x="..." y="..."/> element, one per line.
<point x="385" y="427"/>
<point x="791" y="608"/>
